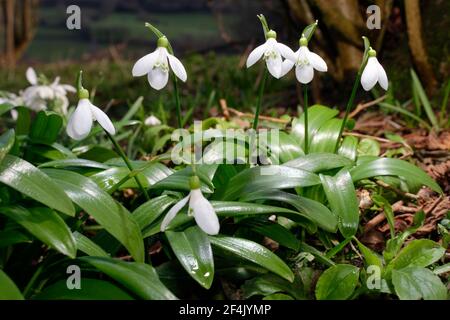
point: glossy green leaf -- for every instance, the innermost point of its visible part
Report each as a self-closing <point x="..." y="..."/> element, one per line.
<point x="393" y="167"/>
<point x="283" y="148"/>
<point x="9" y="290"/>
<point x="5" y="107"/>
<point x="26" y="178"/>
<point x="193" y="250"/>
<point x="108" y="213"/>
<point x="414" y="283"/>
<point x="348" y="147"/>
<point x="325" y="138"/>
<point x="77" y="163"/>
<point x="6" y="143"/>
<point x="179" y="180"/>
<point x="86" y="245"/>
<point x="254" y="252"/>
<point x="137" y="277"/>
<point x="337" y="282"/>
<point x="46" y="127"/>
<point x="269" y="284"/>
<point x="312" y="210"/>
<point x="12" y="237"/>
<point x="319" y="162"/>
<point x="308" y="32"/>
<point x="268" y="177"/>
<point x="342" y="199"/>
<point x="91" y="289"/>
<point x="418" y="253"/>
<point x="370" y="257"/>
<point x="151" y="210"/>
<point x="368" y="147"/>
<point x="46" y="225"/>
<point x="276" y="232"/>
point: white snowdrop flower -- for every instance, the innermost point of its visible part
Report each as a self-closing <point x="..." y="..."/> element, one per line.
<point x="157" y="64"/>
<point x="13" y="99"/>
<point x="305" y="62"/>
<point x="199" y="207"/>
<point x="273" y="53"/>
<point x="373" y="73"/>
<point x="81" y="120"/>
<point x="152" y="121"/>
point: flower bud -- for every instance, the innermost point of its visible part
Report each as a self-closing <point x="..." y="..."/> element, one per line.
<point x="163" y="42"/>
<point x="271" y="34"/>
<point x="194" y="183"/>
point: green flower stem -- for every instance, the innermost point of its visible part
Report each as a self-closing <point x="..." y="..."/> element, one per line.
<point x="260" y="95"/>
<point x="349" y="107"/>
<point x="127" y="162"/>
<point x="177" y="101"/>
<point x="305" y="106"/>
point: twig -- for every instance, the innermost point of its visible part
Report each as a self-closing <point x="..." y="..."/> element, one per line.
<point x="397" y="191"/>
<point x="224" y="106"/>
<point x="250" y="115"/>
<point x="360" y="107"/>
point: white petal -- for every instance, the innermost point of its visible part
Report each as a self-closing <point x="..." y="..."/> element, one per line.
<point x="31" y="76"/>
<point x="256" y="54"/>
<point x="103" y="119"/>
<point x="204" y="213"/>
<point x="173" y="212"/>
<point x="317" y="62"/>
<point x="144" y="64"/>
<point x="286" y="66"/>
<point x="68" y="88"/>
<point x="158" y="78"/>
<point x="369" y="76"/>
<point x="304" y="74"/>
<point x="286" y="52"/>
<point x="152" y="121"/>
<point x="80" y="123"/>
<point x="274" y="66"/>
<point x="177" y="67"/>
<point x="382" y="77"/>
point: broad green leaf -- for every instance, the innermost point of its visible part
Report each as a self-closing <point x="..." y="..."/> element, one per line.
<point x="348" y="147"/>
<point x="276" y="232"/>
<point x="9" y="290"/>
<point x="46" y="127"/>
<point x="393" y="167"/>
<point x="319" y="162"/>
<point x="342" y="199"/>
<point x="5" y="107"/>
<point x="46" y="225"/>
<point x="239" y="209"/>
<point x="180" y="179"/>
<point x="86" y="245"/>
<point x="337" y="282"/>
<point x="254" y="252"/>
<point x="26" y="178"/>
<point x="414" y="283"/>
<point x="193" y="250"/>
<point x="269" y="284"/>
<point x="368" y="147"/>
<point x="322" y="258"/>
<point x="278" y="296"/>
<point x="268" y="177"/>
<point x="105" y="210"/>
<point x="137" y="277"/>
<point x="81" y="163"/>
<point x="312" y="210"/>
<point x="91" y="289"/>
<point x="418" y="253"/>
<point x="23" y="120"/>
<point x="6" y="143"/>
<point x="283" y="148"/>
<point x="151" y="210"/>
<point x="370" y="257"/>
<point x="228" y="151"/>
<point x="12" y="237"/>
<point x="325" y="138"/>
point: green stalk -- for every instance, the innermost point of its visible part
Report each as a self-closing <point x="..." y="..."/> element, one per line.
<point x="349" y="107"/>
<point x="305" y="106"/>
<point x="261" y="92"/>
<point x="127" y="162"/>
<point x="177" y="101"/>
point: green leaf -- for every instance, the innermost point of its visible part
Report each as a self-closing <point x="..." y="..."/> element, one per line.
<point x="325" y="138"/>
<point x="308" y="32"/>
<point x="269" y="284"/>
<point x="193" y="250"/>
<point x="368" y="147"/>
<point x="91" y="289"/>
<point x="312" y="210"/>
<point x="393" y="167"/>
<point x="341" y="196"/>
<point x="348" y="148"/>
<point x="8" y="290"/>
<point x="6" y="143"/>
<point x="137" y="277"/>
<point x="370" y="257"/>
<point x="414" y="283"/>
<point x="424" y="99"/>
<point x="387" y="209"/>
<point x="46" y="225"/>
<point x="418" y="253"/>
<point x="319" y="162"/>
<point x="268" y="177"/>
<point x="46" y="126"/>
<point x="274" y="231"/>
<point x="12" y="237"/>
<point x="87" y="246"/>
<point x="5" y="107"/>
<point x="108" y="213"/>
<point x="282" y="148"/>
<point x="151" y="210"/>
<point x="24" y="177"/>
<point x="180" y="179"/>
<point x="337" y="282"/>
<point x="77" y="163"/>
<point x="254" y="252"/>
<point x="23" y="121"/>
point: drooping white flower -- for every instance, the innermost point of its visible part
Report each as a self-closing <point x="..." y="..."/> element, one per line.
<point x="373" y="73"/>
<point x="13" y="99"/>
<point x="305" y="62"/>
<point x="156" y="66"/>
<point x="152" y="121"/>
<point x="199" y="207"/>
<point x="81" y="120"/>
<point x="40" y="94"/>
<point x="273" y="53"/>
